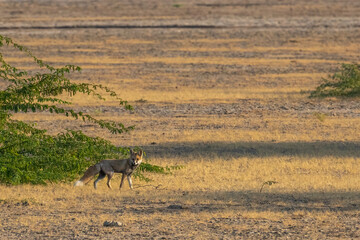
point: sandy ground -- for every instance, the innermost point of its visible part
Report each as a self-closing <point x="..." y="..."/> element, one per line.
<point x="220" y="87"/>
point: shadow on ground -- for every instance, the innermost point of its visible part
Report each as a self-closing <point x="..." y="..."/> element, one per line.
<point x="249" y="201"/>
<point x="229" y="150"/>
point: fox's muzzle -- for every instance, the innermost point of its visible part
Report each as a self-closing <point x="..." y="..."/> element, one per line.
<point x="135" y="163"/>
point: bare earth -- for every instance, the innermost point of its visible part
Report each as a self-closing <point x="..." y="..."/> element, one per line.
<point x="220" y="87"/>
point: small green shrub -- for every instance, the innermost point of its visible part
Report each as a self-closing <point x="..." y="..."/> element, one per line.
<point x="344" y="83"/>
<point x="320" y="116"/>
<point x="29" y="155"/>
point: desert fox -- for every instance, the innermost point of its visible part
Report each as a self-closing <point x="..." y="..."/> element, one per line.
<point x="109" y="167"/>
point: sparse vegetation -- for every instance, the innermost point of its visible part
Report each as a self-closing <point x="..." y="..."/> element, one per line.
<point x="141" y="101"/>
<point x="344" y="83"/>
<point x="268" y="183"/>
<point x="320" y="116"/>
<point x="177" y="5"/>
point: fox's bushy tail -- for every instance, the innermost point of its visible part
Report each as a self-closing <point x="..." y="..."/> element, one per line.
<point x="89" y="173"/>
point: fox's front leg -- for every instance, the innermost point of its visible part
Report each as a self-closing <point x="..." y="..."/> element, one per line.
<point x="122" y="180"/>
<point x="129" y="180"/>
<point x="109" y="175"/>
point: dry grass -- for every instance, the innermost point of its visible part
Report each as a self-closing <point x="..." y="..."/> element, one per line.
<point x="212" y="192"/>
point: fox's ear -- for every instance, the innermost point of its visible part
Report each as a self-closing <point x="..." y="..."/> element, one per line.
<point x="140" y="152"/>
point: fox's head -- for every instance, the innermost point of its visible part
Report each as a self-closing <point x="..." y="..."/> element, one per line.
<point x="136" y="157"/>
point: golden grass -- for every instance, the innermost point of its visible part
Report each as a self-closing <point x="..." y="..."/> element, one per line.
<point x="293" y="174"/>
<point x="179" y="60"/>
<point x="70" y="43"/>
<point x="213" y="40"/>
<point x="186" y="94"/>
<point x="349" y="50"/>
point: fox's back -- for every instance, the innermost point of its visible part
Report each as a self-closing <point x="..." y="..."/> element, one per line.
<point x="118" y="166"/>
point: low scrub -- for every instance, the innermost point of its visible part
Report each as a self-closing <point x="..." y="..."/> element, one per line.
<point x="343" y="83"/>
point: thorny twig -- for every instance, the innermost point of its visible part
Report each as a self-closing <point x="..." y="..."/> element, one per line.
<point x="267" y="183"/>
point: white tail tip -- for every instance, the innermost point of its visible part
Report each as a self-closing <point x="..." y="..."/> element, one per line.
<point x="78" y="184"/>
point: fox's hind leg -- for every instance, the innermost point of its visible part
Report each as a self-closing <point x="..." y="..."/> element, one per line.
<point x="122" y="180"/>
<point x="109" y="175"/>
<point x="100" y="177"/>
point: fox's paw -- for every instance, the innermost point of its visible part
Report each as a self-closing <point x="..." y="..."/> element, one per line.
<point x="78" y="184"/>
